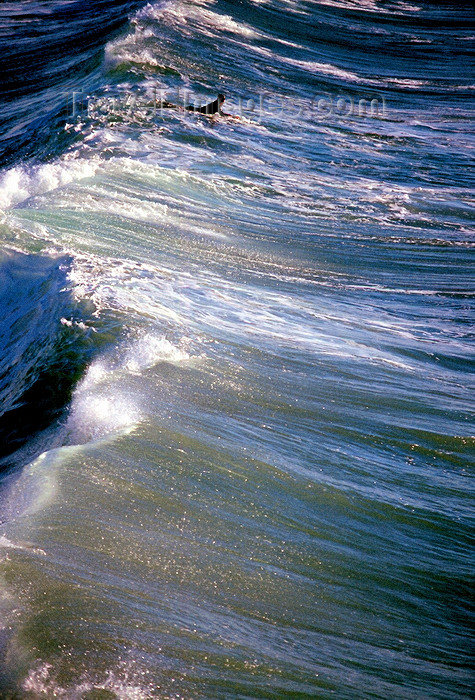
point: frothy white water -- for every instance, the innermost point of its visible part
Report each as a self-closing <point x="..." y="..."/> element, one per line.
<point x="150" y="350"/>
<point x="97" y="416"/>
<point x="393" y="8"/>
<point x="108" y="402"/>
<point x="117" y="684"/>
<point x="200" y="504"/>
<point x="5" y="543"/>
<point x="210" y="23"/>
<point x="22" y="182"/>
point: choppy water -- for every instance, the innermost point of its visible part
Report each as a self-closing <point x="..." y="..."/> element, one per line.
<point x="236" y="371"/>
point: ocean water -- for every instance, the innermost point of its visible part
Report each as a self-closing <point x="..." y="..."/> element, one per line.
<point x="236" y="367"/>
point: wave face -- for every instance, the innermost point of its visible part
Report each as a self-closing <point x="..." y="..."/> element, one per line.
<point x="32" y="298"/>
<point x="46" y="342"/>
<point x="236" y="368"/>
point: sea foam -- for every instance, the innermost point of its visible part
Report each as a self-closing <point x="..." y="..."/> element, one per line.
<point x="22" y="182"/>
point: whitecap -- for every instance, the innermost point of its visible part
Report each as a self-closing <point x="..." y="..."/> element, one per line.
<point x="148" y="351"/>
<point x="22" y="182"/>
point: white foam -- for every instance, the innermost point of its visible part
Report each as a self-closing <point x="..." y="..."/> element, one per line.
<point x="22" y="182"/>
<point x="102" y="406"/>
<point x="106" y="403"/>
<point x="407" y="83"/>
<point x="325" y="68"/>
<point x="292" y="6"/>
<point x="94" y="416"/>
<point x="150" y="350"/>
<point x="41" y="681"/>
<point x="371" y="6"/>
<point x="126" y="51"/>
<point x="6" y="544"/>
<point x="208" y="22"/>
<point x="127" y="207"/>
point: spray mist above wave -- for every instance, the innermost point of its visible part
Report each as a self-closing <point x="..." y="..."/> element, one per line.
<point x="110" y="399"/>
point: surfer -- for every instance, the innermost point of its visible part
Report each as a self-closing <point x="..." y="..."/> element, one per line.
<point x="209" y="109"/>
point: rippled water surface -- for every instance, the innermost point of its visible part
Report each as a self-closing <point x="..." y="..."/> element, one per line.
<point x="236" y="376"/>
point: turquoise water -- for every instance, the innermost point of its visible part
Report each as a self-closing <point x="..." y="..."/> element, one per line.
<point x="237" y="370"/>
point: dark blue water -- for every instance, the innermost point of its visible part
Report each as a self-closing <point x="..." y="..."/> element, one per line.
<point x="47" y="49"/>
<point x="237" y="353"/>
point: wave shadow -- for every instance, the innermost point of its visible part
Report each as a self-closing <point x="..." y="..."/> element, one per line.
<point x="47" y="339"/>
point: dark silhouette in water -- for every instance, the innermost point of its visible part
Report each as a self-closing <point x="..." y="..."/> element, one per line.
<point x="212" y="107"/>
<point x="209" y="109"/>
